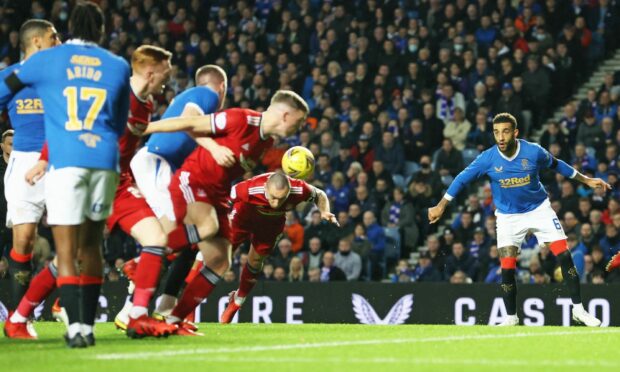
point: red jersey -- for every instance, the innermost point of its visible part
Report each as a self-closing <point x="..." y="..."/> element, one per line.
<point x="239" y="130"/>
<point x="139" y="117"/>
<point x="252" y="194"/>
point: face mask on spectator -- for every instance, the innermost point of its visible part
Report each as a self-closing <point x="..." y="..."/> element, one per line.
<point x="458" y="47"/>
<point x="413" y="48"/>
<point x="425" y="165"/>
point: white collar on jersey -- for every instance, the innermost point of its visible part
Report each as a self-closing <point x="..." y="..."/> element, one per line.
<point x="260" y="129"/>
<point x="80" y="42"/>
<point x="513" y="157"/>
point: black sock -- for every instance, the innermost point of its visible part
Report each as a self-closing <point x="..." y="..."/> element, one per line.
<point x="178" y="270"/>
<point x="20" y="274"/>
<point x="90" y="300"/>
<point x="509" y="290"/>
<point x="570" y="276"/>
<point x="70" y="299"/>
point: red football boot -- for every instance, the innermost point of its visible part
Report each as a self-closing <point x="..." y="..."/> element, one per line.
<point x="231" y="309"/>
<point x="129" y="269"/>
<point x="146" y="326"/>
<point x="22" y="331"/>
<point x="614" y="263"/>
<point x="187" y="329"/>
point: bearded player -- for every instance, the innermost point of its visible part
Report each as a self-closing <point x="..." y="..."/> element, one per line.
<point x="200" y="189"/>
<point x="522" y="205"/>
<point x="25" y="203"/>
<point x="262" y="201"/>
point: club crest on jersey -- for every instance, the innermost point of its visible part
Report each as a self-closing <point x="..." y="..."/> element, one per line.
<point x="89" y="139"/>
<point x="220" y="120"/>
<point x="524" y="164"/>
<point x="499" y="169"/>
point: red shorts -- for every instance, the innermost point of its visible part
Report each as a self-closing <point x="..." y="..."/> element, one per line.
<point x="128" y="209"/>
<point x="262" y="231"/>
<point x="184" y="190"/>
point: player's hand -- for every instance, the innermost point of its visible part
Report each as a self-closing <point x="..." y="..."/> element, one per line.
<point x="330" y="217"/>
<point x="223" y="156"/>
<point x="595" y="183"/>
<point x="435" y="213"/>
<point x="36" y="172"/>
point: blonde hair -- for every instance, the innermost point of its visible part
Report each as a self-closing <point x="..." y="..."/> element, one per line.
<point x="290" y="270"/>
<point x="149" y="55"/>
<point x="213" y="70"/>
<point x="291" y="99"/>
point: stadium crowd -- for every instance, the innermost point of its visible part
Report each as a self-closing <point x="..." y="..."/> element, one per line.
<point x="401" y="96"/>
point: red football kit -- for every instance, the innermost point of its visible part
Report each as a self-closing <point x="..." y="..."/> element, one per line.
<point x="129" y="206"/>
<point x="253" y="218"/>
<point x="201" y="179"/>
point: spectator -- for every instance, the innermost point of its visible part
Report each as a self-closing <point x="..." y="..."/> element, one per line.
<point x="279" y="274"/>
<point x="283" y="256"/>
<point x="296" y="270"/>
<point x="376" y="237"/>
<point x="391" y="154"/>
<point x="424" y="270"/>
<point x="448" y="101"/>
<point x="449" y="161"/>
<point x="363" y="153"/>
<point x="457" y="129"/>
<point x="329" y="271"/>
<point x="460" y="260"/>
<point x="459" y="277"/>
<point x="294" y="231"/>
<point x="338" y="193"/>
<point x="400" y="214"/>
<point x="416" y="141"/>
<point x="610" y="244"/>
<point x="314" y="275"/>
<point x="316" y="229"/>
<point x="348" y="261"/>
<point x="7" y="148"/>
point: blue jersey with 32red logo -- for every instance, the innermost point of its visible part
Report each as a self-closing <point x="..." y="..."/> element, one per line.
<point x="25" y="111"/>
<point x="85" y="92"/>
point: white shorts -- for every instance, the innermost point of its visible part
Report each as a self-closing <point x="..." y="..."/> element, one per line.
<point x="25" y="203"/>
<point x="73" y="194"/>
<point x="153" y="174"/>
<point x="542" y="221"/>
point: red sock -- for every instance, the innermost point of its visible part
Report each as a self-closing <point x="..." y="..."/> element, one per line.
<point x="247" y="280"/>
<point x="183" y="236"/>
<point x="41" y="286"/>
<point x="194" y="272"/>
<point x="147" y="275"/>
<point x="196" y="292"/>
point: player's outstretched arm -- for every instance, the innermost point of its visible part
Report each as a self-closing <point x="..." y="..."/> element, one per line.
<point x="594" y="183"/>
<point x="322" y="201"/>
<point x="195" y="125"/>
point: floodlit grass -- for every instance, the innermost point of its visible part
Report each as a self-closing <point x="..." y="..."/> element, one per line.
<point x="323" y="347"/>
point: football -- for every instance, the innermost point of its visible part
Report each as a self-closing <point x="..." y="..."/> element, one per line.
<point x="298" y="162"/>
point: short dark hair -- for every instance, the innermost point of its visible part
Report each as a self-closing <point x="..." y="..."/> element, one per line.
<point x="279" y="181"/>
<point x="30" y="28"/>
<point x="87" y="22"/>
<point x="505" y="117"/>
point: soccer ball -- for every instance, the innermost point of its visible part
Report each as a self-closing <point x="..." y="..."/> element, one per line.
<point x="298" y="162"/>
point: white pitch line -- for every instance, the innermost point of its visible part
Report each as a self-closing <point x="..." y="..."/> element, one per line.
<point x="416" y="361"/>
<point x="242" y="349"/>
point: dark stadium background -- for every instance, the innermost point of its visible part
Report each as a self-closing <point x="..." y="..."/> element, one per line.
<point x="401" y="96"/>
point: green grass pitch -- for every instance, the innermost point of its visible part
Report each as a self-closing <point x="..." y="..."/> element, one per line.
<point x="324" y="347"/>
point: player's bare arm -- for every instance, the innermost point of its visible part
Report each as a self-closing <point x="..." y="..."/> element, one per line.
<point x="322" y="202"/>
<point x="435" y="213"/>
<point x="593" y="183"/>
<point x="222" y="154"/>
<point x="196" y="126"/>
<point x="36" y="172"/>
